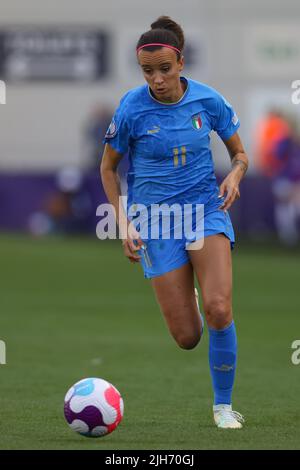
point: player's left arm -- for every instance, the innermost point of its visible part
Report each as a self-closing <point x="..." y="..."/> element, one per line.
<point x="239" y="161"/>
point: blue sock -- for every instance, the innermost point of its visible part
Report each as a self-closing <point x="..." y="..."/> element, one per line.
<point x="222" y="361"/>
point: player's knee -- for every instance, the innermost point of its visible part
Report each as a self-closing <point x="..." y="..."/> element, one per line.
<point x="218" y="313"/>
<point x="188" y="341"/>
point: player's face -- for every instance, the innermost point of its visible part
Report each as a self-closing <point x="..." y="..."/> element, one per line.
<point x="161" y="70"/>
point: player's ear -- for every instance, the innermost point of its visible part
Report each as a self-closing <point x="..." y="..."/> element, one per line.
<point x="181" y="63"/>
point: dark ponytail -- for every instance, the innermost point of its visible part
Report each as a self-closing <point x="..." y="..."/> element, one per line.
<point x="165" y="31"/>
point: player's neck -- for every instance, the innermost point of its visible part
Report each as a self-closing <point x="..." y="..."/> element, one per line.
<point x="176" y="94"/>
<point x="180" y="91"/>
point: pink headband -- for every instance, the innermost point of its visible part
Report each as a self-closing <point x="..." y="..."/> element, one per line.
<point x="158" y="44"/>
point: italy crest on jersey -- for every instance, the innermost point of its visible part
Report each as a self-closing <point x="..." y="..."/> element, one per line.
<point x="196" y="121"/>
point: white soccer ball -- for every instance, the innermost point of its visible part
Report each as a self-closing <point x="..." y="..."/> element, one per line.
<point x="93" y="407"/>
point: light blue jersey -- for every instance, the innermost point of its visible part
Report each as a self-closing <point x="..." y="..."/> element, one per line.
<point x="171" y="161"/>
<point x="169" y="144"/>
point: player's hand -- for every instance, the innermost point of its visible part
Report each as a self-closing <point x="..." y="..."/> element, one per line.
<point x="132" y="244"/>
<point x="230" y="190"/>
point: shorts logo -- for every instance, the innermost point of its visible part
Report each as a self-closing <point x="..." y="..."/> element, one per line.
<point x="154" y="130"/>
<point x="197" y="122"/>
<point x="112" y="130"/>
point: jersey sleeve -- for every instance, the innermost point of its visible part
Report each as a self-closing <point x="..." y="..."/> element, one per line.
<point x="226" y="122"/>
<point x="118" y="132"/>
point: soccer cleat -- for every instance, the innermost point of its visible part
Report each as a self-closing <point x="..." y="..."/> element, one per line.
<point x="225" y="418"/>
<point x="201" y="316"/>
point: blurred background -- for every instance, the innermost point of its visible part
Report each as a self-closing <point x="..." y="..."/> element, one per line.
<point x="67" y="64"/>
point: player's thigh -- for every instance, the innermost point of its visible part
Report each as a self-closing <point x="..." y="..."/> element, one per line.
<point x="213" y="267"/>
<point x="175" y="293"/>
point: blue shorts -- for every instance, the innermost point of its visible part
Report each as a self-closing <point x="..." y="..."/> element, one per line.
<point x="164" y="255"/>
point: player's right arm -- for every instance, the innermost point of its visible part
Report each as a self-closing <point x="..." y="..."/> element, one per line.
<point x="111" y="184"/>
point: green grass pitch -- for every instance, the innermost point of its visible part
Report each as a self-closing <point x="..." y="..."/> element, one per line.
<point x="77" y="308"/>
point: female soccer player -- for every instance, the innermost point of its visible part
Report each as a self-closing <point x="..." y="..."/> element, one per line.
<point x="165" y="126"/>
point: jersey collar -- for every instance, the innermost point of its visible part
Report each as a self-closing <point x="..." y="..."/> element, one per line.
<point x="175" y="102"/>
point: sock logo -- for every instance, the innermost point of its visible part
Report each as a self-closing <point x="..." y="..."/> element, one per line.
<point x="224" y="368"/>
